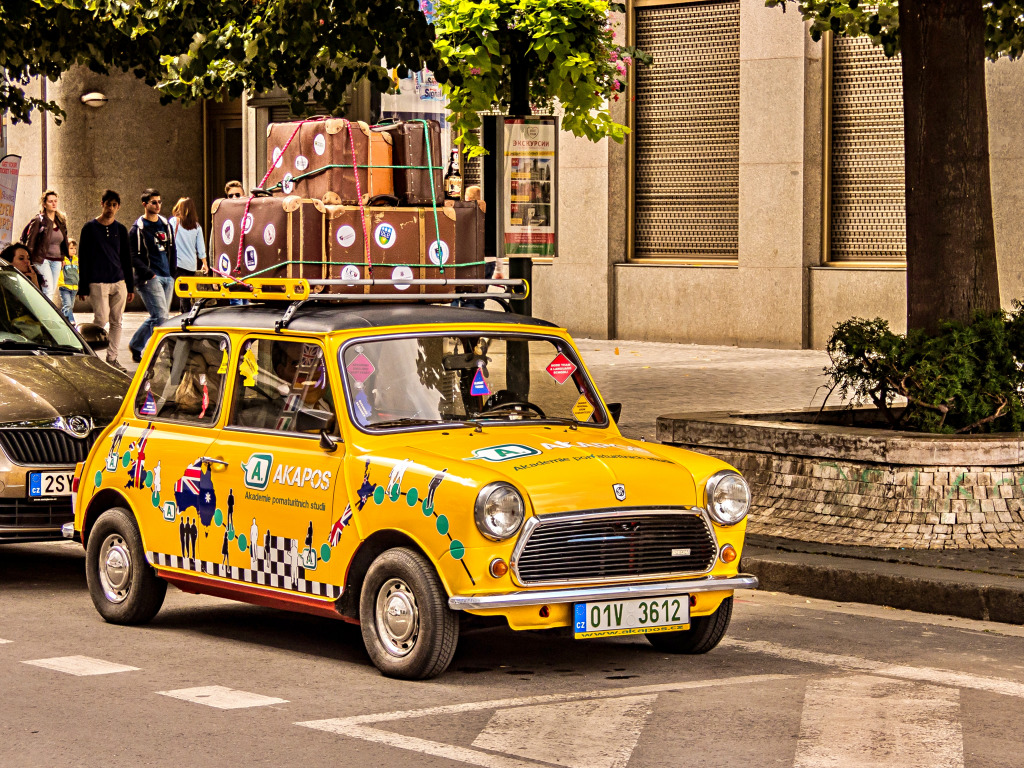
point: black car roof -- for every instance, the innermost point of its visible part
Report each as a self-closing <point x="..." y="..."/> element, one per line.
<point x="324" y="317"/>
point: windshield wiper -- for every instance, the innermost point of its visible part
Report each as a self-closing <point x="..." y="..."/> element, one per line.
<point x="15" y="344"/>
<point x="404" y="422"/>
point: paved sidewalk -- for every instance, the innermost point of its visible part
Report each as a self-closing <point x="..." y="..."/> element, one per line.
<point x="652" y="379"/>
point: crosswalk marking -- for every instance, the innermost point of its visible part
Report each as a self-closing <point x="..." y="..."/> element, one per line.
<point x="576" y="734"/>
<point x="222" y="698"/>
<point x="864" y="721"/>
<point x="80" y="665"/>
<point x="856" y="664"/>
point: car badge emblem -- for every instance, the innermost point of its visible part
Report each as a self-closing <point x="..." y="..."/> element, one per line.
<point x="620" y="491"/>
<point x="75" y="425"/>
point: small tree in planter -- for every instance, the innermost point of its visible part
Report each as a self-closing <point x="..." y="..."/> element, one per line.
<point x="964" y="378"/>
<point x="517" y="56"/>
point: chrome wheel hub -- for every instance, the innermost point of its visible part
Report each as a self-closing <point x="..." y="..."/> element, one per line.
<point x="397" y="617"/>
<point x="115" y="568"/>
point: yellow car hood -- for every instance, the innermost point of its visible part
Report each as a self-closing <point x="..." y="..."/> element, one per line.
<point x="559" y="469"/>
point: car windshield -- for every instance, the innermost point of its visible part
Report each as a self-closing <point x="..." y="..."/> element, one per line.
<point x="28" y="321"/>
<point x="423" y="381"/>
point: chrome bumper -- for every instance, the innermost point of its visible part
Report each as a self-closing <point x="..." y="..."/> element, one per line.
<point x="592" y="594"/>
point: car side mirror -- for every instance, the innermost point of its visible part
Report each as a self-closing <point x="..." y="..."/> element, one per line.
<point x="95" y="336"/>
<point x="327" y="442"/>
<point x="312" y="420"/>
<point x="616" y="411"/>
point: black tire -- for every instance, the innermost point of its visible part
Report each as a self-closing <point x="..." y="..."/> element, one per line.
<point x="705" y="633"/>
<point x="414" y="648"/>
<point x="124" y="587"/>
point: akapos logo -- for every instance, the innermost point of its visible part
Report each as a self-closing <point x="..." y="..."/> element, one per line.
<point x="505" y="452"/>
<point x="257" y="470"/>
<point x="316" y="479"/>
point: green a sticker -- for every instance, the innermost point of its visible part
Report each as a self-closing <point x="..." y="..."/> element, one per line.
<point x="505" y="452"/>
<point x="257" y="470"/>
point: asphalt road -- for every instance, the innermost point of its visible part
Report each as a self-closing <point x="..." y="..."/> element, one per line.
<point x="797" y="682"/>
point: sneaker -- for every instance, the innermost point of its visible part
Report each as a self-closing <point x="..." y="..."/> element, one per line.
<point x="136" y="357"/>
<point x="117" y="365"/>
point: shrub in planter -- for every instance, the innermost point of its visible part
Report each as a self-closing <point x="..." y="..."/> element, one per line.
<point x="964" y="378"/>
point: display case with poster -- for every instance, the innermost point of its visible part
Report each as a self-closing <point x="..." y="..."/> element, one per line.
<point x="528" y="185"/>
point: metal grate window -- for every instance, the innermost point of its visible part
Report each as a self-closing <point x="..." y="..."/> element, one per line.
<point x="687" y="128"/>
<point x="867" y="216"/>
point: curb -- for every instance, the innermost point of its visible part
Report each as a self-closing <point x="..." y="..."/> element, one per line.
<point x="969" y="595"/>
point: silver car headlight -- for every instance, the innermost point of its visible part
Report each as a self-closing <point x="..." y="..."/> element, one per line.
<point x="727" y="497"/>
<point x="499" y="511"/>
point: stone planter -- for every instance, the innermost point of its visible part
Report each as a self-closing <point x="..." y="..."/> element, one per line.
<point x="857" y="485"/>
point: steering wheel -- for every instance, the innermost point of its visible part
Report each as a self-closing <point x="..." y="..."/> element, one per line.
<point x="514" y="404"/>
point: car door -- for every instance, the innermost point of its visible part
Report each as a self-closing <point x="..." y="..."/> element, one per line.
<point x="278" y="483"/>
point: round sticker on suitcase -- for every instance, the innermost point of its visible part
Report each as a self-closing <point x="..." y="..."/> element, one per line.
<point x="224" y="264"/>
<point x="301" y="163"/>
<point x="385" y="235"/>
<point x="277" y="157"/>
<point x="350" y="272"/>
<point x="346" y="236"/>
<point x="250" y="258"/>
<point x="401" y="273"/>
<point x="269" y="233"/>
<point x="439" y="252"/>
<point x="319" y="144"/>
<point x="227" y="232"/>
<point x="287" y="185"/>
<point x="248" y="224"/>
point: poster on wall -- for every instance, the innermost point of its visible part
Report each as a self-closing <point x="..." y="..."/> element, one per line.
<point x="530" y="145"/>
<point x="9" y="167"/>
<point x="418" y="97"/>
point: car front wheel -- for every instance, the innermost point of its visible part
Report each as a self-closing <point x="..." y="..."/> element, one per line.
<point x="408" y="628"/>
<point x="124" y="587"/>
<point x="705" y="633"/>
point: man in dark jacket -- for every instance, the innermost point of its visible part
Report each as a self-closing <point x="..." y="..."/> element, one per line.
<point x="105" y="270"/>
<point x="151" y="241"/>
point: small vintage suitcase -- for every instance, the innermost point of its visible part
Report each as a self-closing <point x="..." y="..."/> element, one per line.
<point x="409" y="148"/>
<point x="280" y="236"/>
<point x="403" y="244"/>
<point x="314" y="159"/>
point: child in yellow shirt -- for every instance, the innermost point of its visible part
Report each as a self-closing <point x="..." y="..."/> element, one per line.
<point x="67" y="282"/>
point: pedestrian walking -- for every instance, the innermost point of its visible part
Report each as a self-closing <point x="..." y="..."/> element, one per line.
<point x="67" y="283"/>
<point x="188" y="242"/>
<point x="46" y="236"/>
<point x="151" y="241"/>
<point x="105" y="273"/>
<point x="18" y="256"/>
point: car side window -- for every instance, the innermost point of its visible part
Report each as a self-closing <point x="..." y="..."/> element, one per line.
<point x="282" y="386"/>
<point x="185" y="379"/>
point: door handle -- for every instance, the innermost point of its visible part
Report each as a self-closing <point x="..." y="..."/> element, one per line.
<point x="211" y="460"/>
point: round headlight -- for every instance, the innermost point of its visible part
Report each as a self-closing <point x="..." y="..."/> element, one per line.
<point x="728" y="497"/>
<point x="499" y="511"/>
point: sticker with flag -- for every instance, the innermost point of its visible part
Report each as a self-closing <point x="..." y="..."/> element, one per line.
<point x="195" y="489"/>
<point x="340" y="525"/>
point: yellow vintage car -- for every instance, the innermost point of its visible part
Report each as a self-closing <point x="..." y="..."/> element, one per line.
<point x="400" y="465"/>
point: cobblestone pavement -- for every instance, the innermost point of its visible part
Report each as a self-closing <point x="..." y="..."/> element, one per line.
<point x="653" y="379"/>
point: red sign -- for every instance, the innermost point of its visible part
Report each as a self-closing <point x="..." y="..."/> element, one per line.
<point x="561" y="368"/>
<point x="360" y="369"/>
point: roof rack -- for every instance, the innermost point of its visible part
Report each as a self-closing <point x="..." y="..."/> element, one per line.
<point x="298" y="291"/>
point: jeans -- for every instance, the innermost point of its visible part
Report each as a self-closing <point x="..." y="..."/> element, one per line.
<point x="184" y="305"/>
<point x="67" y="304"/>
<point x="156" y="295"/>
<point x="49" y="273"/>
<point x="108" y="300"/>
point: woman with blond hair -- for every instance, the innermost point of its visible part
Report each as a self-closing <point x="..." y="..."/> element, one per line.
<point x="47" y="239"/>
<point x="188" y="238"/>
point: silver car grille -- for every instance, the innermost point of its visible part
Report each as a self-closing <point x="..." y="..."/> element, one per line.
<point x="45" y="446"/>
<point x="614" y="545"/>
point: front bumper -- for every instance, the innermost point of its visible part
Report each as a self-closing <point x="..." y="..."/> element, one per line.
<point x="594" y="594"/>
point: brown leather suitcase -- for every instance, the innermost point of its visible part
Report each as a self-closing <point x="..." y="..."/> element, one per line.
<point x="409" y="148"/>
<point x="404" y="243"/>
<point x="280" y="236"/>
<point x="314" y="159"/>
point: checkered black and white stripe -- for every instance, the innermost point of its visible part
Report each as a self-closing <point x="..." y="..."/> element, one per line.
<point x="279" y="573"/>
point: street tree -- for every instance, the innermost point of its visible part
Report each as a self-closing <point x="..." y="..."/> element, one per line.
<point x="951" y="253"/>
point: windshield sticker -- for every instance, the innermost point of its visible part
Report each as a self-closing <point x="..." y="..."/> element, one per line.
<point x="248" y="367"/>
<point x="582" y="410"/>
<point x="505" y="452"/>
<point x="561" y="368"/>
<point x="479" y="385"/>
<point x="149" y="404"/>
<point x="360" y="368"/>
<point x="362" y="406"/>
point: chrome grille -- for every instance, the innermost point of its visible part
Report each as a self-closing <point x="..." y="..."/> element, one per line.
<point x="33" y="517"/>
<point x="598" y="546"/>
<point x="45" y="447"/>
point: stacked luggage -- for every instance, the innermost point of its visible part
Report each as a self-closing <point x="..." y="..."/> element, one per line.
<point x="344" y="201"/>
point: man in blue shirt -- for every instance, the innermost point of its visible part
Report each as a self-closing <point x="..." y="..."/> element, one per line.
<point x="151" y="241"/>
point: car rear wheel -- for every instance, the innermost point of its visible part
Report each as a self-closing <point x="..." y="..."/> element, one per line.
<point x="705" y="633"/>
<point x="408" y="628"/>
<point x="124" y="587"/>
